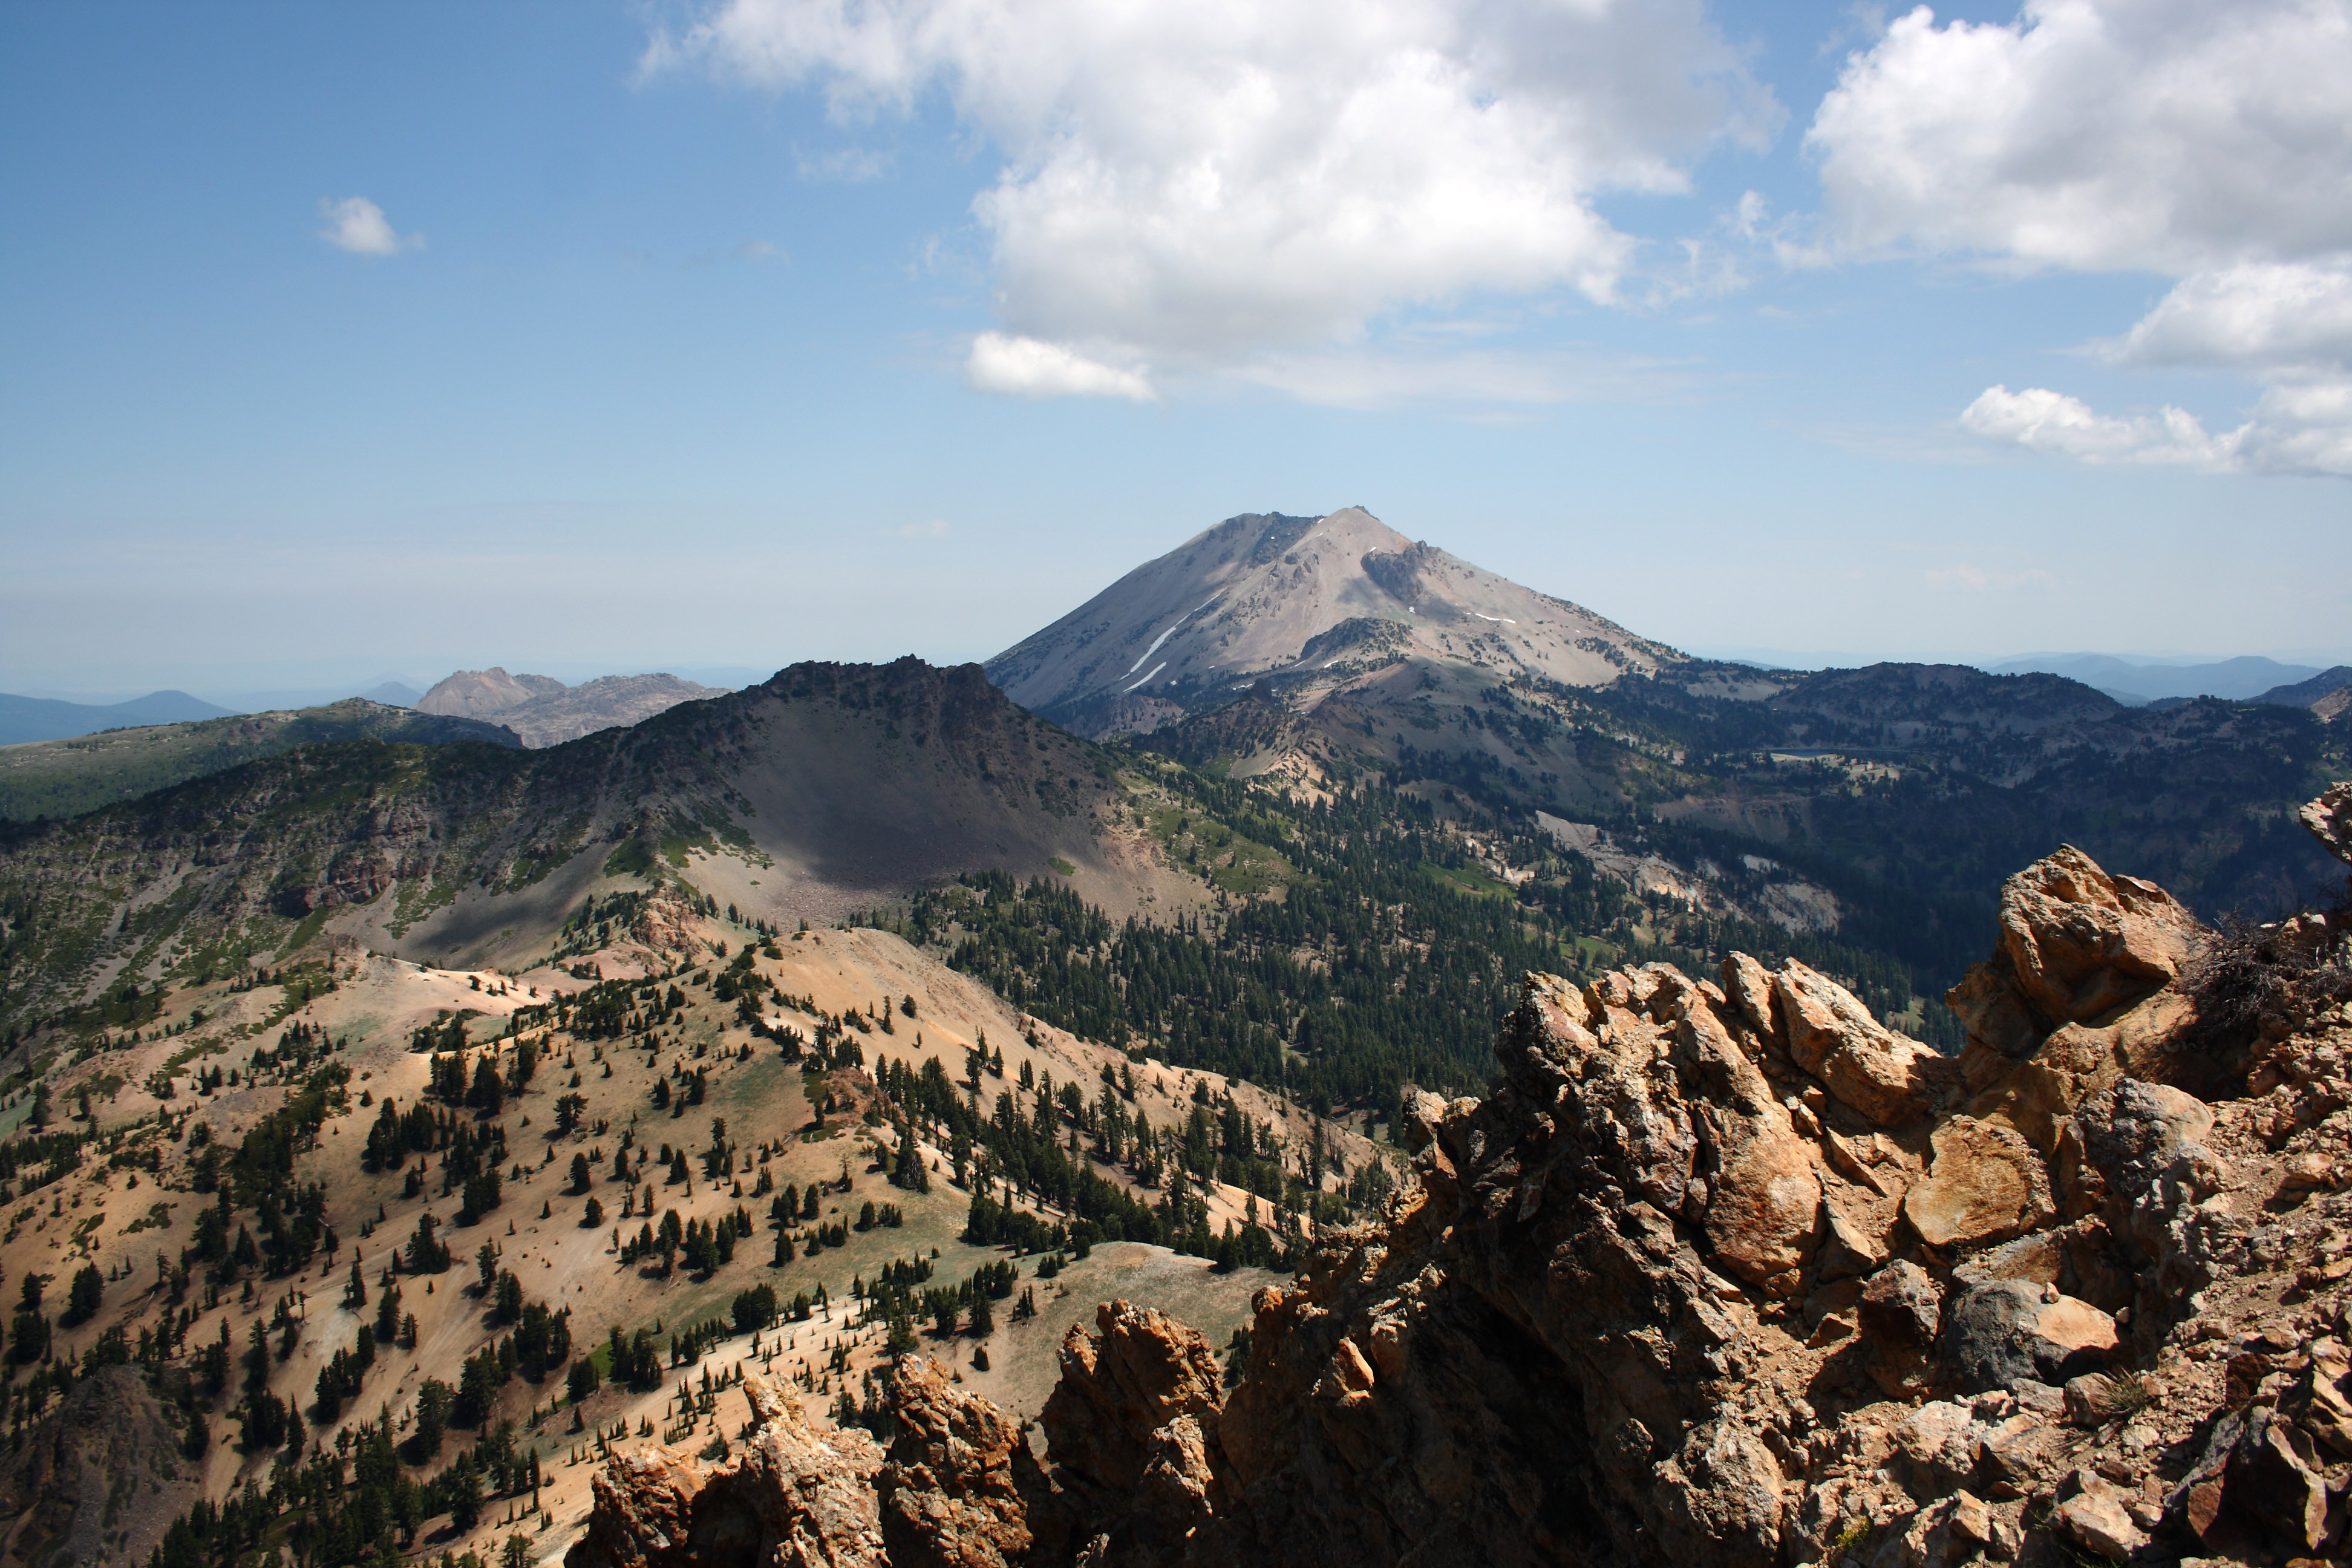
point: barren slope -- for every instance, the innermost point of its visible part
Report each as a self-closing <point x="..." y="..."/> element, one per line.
<point x="1321" y="599"/>
<point x="604" y="703"/>
<point x="826" y="789"/>
<point x="139" y="1194"/>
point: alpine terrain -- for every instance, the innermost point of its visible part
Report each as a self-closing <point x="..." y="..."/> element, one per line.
<point x="1874" y="808"/>
<point x="1338" y="604"/>
<point x="1321" y="1055"/>
<point x="543" y="711"/>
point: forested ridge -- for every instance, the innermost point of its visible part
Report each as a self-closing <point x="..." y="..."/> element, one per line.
<point x="1386" y="959"/>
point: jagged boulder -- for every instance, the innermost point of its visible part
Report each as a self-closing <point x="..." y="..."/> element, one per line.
<point x="1903" y="1305"/>
<point x="1889" y="1078"/>
<point x="1130" y="1428"/>
<point x="2130" y="1134"/>
<point x="2262" y="1485"/>
<point x="2080" y="941"/>
<point x="961" y="1489"/>
<point x="794" y="1498"/>
<point x="2007" y="1332"/>
<point x="2330" y="819"/>
<point x="1120" y="1386"/>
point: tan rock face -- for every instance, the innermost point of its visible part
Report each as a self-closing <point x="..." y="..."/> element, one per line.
<point x="1817" y="1012"/>
<point x="1748" y="985"/>
<point x="2075" y="1326"/>
<point x="2330" y="820"/>
<point x="961" y="1489"/>
<point x="1985" y="1183"/>
<point x="1891" y="1079"/>
<point x="2077" y="1061"/>
<point x="2085" y="943"/>
<point x="2095" y="1519"/>
<point x="794" y="1498"/>
<point x="1765" y="1218"/>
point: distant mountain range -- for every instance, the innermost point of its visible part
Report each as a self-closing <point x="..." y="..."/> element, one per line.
<point x="1875" y="805"/>
<point x="83" y="773"/>
<point x="63" y="759"/>
<point x="2136" y="680"/>
<point x="1869" y="813"/>
<point x="24" y="719"/>
<point x="2327" y="694"/>
<point x="827" y="789"/>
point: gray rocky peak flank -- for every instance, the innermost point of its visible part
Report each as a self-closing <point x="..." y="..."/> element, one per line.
<point x="1314" y="603"/>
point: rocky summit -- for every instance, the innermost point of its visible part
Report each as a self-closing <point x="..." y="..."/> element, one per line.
<point x="1337" y="602"/>
<point x="543" y="711"/>
<point x="1723" y="1270"/>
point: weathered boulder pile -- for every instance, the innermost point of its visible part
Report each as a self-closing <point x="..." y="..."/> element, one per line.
<point x="1724" y="1270"/>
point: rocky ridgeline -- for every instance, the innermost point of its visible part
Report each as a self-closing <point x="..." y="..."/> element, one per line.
<point x="97" y="1480"/>
<point x="1724" y="1271"/>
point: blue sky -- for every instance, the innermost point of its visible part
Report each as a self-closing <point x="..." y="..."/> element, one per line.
<point x="338" y="341"/>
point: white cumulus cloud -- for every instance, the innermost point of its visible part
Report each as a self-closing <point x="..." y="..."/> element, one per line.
<point x="2301" y="427"/>
<point x="1197" y="184"/>
<point x="2171" y="136"/>
<point x="2051" y="421"/>
<point x="1032" y="368"/>
<point x="2208" y="143"/>
<point x="357" y="224"/>
<point x="2260" y="316"/>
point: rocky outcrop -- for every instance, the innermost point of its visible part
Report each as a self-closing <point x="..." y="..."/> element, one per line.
<point x="1724" y="1270"/>
<point x="99" y="1480"/>
<point x="794" y="1498"/>
<point x="2330" y="820"/>
<point x="609" y="701"/>
<point x="961" y="1489"/>
<point x="543" y="711"/>
<point x="478" y="693"/>
<point x="2076" y="945"/>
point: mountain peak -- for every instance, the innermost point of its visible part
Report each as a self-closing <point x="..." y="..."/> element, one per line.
<point x="1320" y="602"/>
<point x="478" y="693"/>
<point x="544" y="711"/>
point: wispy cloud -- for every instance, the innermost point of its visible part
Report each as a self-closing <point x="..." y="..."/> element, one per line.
<point x="1981" y="580"/>
<point x="1029" y="368"/>
<point x="846" y="164"/>
<point x="357" y="224"/>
